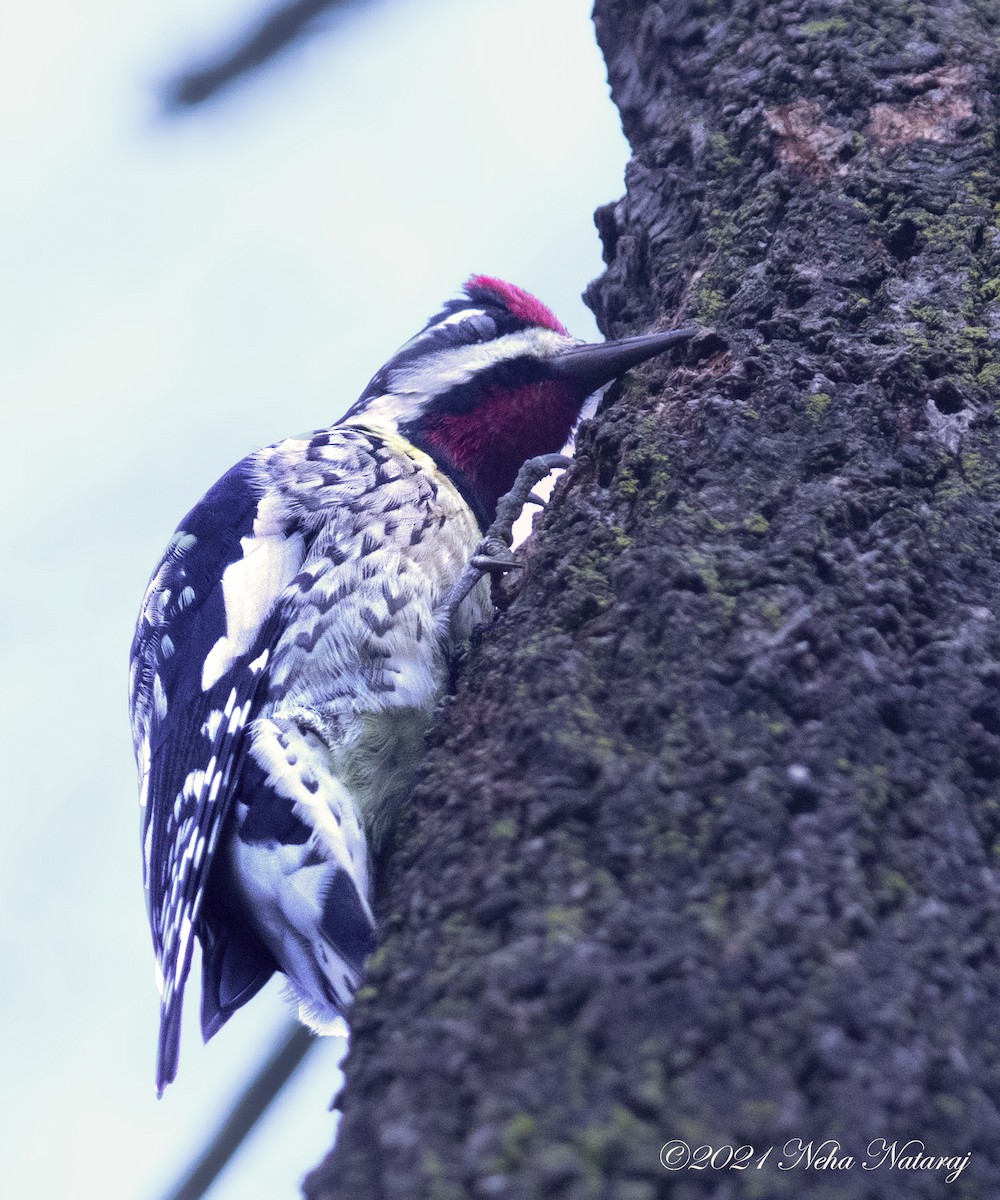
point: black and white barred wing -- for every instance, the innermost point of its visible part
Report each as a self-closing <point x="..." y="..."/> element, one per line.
<point x="198" y="672"/>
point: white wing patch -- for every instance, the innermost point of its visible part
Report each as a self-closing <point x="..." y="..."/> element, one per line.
<point x="251" y="586"/>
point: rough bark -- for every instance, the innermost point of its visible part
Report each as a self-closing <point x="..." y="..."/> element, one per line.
<point x="707" y="844"/>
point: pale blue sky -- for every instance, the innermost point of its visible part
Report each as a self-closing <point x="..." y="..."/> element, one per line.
<point x="174" y="294"/>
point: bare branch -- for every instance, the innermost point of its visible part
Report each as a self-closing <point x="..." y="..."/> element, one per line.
<point x="246" y="1111"/>
<point x="263" y="41"/>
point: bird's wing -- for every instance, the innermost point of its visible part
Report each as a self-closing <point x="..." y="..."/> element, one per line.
<point x="198" y="669"/>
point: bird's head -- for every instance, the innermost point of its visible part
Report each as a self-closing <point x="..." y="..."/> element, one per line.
<point x="492" y="380"/>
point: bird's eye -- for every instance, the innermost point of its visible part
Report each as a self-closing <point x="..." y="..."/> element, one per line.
<point x="477" y="328"/>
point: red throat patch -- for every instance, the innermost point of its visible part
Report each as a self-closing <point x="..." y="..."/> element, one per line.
<point x="521" y="303"/>
<point x="488" y="444"/>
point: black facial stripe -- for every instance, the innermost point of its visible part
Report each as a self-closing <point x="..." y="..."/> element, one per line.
<point x="486" y="322"/>
<point x="506" y="375"/>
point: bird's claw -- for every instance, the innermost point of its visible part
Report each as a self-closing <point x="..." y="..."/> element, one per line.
<point x="509" y="508"/>
<point x="494" y="554"/>
<point x="485" y="562"/>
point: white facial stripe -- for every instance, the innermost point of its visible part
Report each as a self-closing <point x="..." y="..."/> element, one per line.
<point x="413" y="384"/>
<point x="456" y="318"/>
<point x="456" y="364"/>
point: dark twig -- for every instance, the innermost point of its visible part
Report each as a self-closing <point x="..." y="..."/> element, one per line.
<point x="264" y="40"/>
<point x="247" y="1110"/>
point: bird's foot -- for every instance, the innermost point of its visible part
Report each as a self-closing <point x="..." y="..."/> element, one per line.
<point x="494" y="555"/>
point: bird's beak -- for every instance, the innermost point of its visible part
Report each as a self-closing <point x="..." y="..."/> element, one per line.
<point x="593" y="365"/>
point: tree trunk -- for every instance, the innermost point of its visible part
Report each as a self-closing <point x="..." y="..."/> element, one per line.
<point x="707" y="843"/>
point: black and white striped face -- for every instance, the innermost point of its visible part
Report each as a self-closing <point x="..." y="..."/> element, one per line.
<point x="495" y="333"/>
<point x="475" y="386"/>
<point x="492" y="380"/>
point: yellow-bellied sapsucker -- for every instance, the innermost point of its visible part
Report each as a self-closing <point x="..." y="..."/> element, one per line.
<point x="294" y="638"/>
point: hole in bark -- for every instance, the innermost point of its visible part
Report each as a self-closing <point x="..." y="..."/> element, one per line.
<point x="606" y="469"/>
<point x="706" y="345"/>
<point x="799" y="293"/>
<point x="902" y="241"/>
<point x="691" y="34"/>
<point x="947" y="398"/>
<point x="979" y="955"/>
<point x="826" y="567"/>
<point x="802" y="801"/>
<point x="988" y="716"/>
<point x="985" y="764"/>
<point x="809" y="1072"/>
<point x="826" y="457"/>
<point x="885" y="619"/>
<point x="688" y="581"/>
<point x="893" y="714"/>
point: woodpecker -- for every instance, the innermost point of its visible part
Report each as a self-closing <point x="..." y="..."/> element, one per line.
<point x="295" y="635"/>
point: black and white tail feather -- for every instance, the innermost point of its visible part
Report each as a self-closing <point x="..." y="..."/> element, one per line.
<point x="201" y="761"/>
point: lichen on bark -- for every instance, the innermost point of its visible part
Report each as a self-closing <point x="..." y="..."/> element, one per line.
<point x="707" y="842"/>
